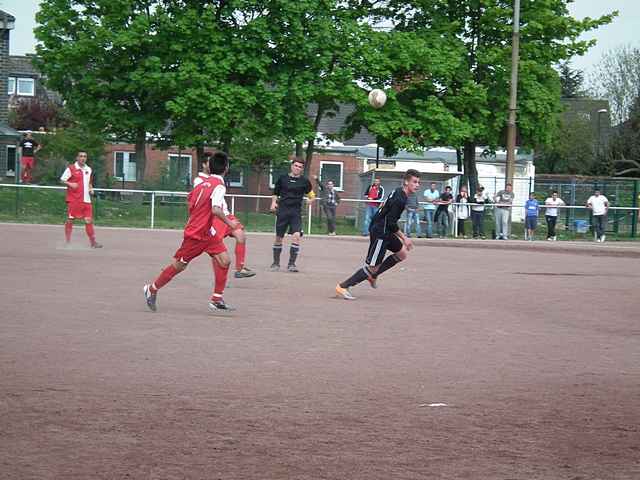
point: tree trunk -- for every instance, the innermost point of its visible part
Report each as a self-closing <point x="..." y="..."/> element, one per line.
<point x="459" y="161"/>
<point x="141" y="154"/>
<point x="308" y="158"/>
<point x="299" y="150"/>
<point x="470" y="170"/>
<point x="259" y="179"/>
<point x="199" y="154"/>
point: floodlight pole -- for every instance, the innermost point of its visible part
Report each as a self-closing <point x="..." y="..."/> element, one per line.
<point x="513" y="98"/>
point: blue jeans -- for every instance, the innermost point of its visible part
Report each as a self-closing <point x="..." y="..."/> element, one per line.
<point x="428" y="216"/>
<point x="443" y="223"/>
<point x="412" y="217"/>
<point x="369" y="212"/>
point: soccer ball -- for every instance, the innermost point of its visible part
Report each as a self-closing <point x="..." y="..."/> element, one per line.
<point x="377" y="98"/>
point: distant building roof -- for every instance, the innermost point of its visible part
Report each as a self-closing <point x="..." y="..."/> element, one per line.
<point x="6" y="18"/>
<point x="22" y="65"/>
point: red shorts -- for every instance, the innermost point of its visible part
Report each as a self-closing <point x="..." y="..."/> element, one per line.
<point x="27" y="162"/>
<point x="191" y="248"/>
<point x="222" y="229"/>
<point x="79" y="210"/>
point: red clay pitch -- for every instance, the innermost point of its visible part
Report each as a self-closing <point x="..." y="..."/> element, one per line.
<point x="534" y="353"/>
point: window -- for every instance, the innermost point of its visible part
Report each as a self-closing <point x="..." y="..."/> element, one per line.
<point x="235" y="177"/>
<point x="124" y="166"/>
<point x="26" y="87"/>
<point x="21" y="86"/>
<point x="180" y="168"/>
<point x="11" y="161"/>
<point x="332" y="171"/>
<point x="274" y="174"/>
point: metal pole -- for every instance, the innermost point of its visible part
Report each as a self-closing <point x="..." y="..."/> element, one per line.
<point x="233" y="205"/>
<point x="153" y="209"/>
<point x="513" y="98"/>
<point x="634" y="215"/>
<point x="377" y="156"/>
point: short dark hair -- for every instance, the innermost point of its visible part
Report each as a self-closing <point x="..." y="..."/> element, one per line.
<point x="411" y="173"/>
<point x="509" y="185"/>
<point x="297" y="160"/>
<point x="449" y="187"/>
<point x="554" y="191"/>
<point x="218" y="163"/>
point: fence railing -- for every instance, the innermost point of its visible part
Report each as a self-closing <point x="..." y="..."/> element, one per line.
<point x="167" y="209"/>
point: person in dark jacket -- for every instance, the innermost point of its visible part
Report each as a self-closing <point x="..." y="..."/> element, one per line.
<point x="329" y="201"/>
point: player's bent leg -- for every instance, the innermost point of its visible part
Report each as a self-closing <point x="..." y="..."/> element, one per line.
<point x="220" y="262"/>
<point x="88" y="226"/>
<point x="150" y="290"/>
<point x="240" y="254"/>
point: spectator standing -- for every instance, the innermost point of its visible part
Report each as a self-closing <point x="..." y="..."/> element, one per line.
<point x="431" y="197"/>
<point x="442" y="213"/>
<point x="531" y="208"/>
<point x="462" y="210"/>
<point x="599" y="205"/>
<point x="28" y="149"/>
<point x="551" y="214"/>
<point x="374" y="193"/>
<point x="329" y="201"/>
<point x="503" y="200"/>
<point x="477" y="213"/>
<point x="412" y="215"/>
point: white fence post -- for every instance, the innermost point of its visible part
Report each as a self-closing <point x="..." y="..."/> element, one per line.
<point x="153" y="209"/>
<point x="233" y="205"/>
<point x="309" y="222"/>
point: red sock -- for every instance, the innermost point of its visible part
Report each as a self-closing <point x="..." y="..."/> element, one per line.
<point x="91" y="233"/>
<point x="220" y="279"/>
<point x="241" y="249"/>
<point x="165" y="277"/>
<point x="68" y="226"/>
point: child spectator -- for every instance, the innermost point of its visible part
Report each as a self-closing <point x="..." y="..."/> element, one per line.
<point x="531" y="216"/>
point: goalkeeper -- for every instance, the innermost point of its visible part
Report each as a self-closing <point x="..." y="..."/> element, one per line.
<point x="286" y="203"/>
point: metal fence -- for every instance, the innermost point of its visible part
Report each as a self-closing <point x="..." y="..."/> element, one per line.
<point x="167" y="209"/>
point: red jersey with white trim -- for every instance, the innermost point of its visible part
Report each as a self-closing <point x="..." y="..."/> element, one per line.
<point x="82" y="176"/>
<point x="201" y="178"/>
<point x="206" y="194"/>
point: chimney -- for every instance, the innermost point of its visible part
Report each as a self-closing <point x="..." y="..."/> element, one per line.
<point x="7" y="23"/>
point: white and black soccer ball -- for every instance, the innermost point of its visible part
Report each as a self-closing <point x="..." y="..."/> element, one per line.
<point x="377" y="98"/>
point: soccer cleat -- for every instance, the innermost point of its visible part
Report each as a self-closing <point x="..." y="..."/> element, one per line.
<point x="292" y="268"/>
<point x="274" y="267"/>
<point x="244" y="273"/>
<point x="373" y="281"/>
<point x="220" y="306"/>
<point x="96" y="245"/>
<point x="150" y="298"/>
<point x="344" y="293"/>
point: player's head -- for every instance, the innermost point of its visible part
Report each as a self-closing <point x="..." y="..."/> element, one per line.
<point x="411" y="180"/>
<point x="508" y="187"/>
<point x="376" y="182"/>
<point x="554" y="194"/>
<point x="297" y="166"/>
<point x="218" y="163"/>
<point x="204" y="165"/>
<point x="81" y="157"/>
<point x="532" y="196"/>
<point x="597" y="192"/>
<point x="330" y="185"/>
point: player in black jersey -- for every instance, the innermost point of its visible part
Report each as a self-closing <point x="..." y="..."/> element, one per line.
<point x="384" y="235"/>
<point x="288" y="194"/>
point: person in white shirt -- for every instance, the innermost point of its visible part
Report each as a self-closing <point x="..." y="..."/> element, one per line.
<point x="599" y="206"/>
<point x="551" y="214"/>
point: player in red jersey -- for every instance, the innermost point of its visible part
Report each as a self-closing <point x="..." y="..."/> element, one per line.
<point x="238" y="234"/>
<point x="77" y="177"/>
<point x="206" y="218"/>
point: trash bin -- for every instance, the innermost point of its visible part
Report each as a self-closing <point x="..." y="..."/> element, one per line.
<point x="582" y="226"/>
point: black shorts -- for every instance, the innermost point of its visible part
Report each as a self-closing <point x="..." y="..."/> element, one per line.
<point x="378" y="247"/>
<point x="289" y="218"/>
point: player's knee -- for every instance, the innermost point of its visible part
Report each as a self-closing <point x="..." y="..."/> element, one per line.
<point x="223" y="260"/>
<point x="88" y="221"/>
<point x="296" y="237"/>
<point x="180" y="266"/>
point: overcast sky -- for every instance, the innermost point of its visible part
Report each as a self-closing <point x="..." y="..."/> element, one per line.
<point x="625" y="29"/>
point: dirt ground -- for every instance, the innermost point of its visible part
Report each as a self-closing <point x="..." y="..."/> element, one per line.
<point x="534" y="353"/>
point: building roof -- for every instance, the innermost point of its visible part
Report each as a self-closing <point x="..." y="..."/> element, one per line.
<point x="7" y="131"/>
<point x="4" y="16"/>
<point x="22" y="65"/>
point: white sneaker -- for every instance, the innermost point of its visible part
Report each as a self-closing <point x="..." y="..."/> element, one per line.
<point x="598" y="240"/>
<point x="555" y="238"/>
<point x="603" y="238"/>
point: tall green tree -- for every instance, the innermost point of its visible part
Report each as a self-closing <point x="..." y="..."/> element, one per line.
<point x="104" y="58"/>
<point x="571" y="81"/>
<point x="465" y="78"/>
